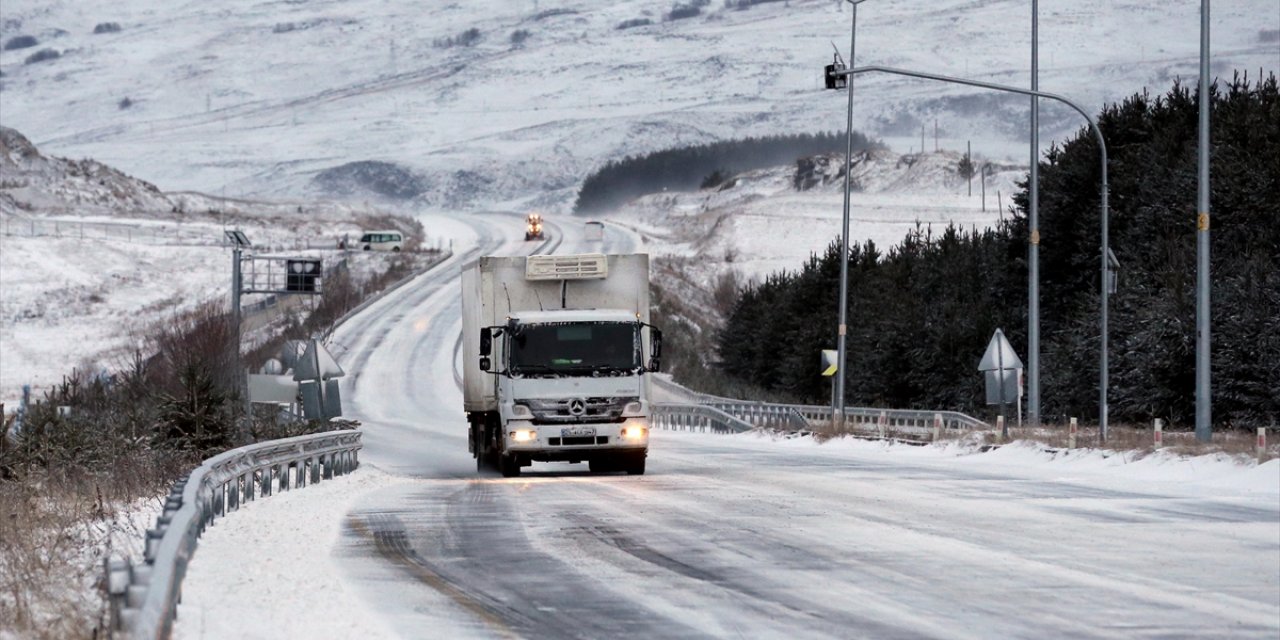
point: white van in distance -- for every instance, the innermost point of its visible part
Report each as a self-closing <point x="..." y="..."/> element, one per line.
<point x="382" y="241"/>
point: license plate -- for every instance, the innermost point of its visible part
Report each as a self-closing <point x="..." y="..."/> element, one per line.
<point x="571" y="432"/>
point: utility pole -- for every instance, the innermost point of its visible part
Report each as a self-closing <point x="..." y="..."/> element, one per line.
<point x="968" y="156"/>
<point x="1033" y="228"/>
<point x="843" y="328"/>
<point x="1204" y="399"/>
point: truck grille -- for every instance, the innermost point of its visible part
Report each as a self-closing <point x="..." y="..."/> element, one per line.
<point x="561" y="410"/>
<point x="578" y="440"/>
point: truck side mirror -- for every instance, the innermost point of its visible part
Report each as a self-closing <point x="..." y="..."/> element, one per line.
<point x="655" y="349"/>
<point x="486" y="348"/>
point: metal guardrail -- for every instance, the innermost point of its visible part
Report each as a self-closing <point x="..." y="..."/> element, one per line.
<point x="798" y="417"/>
<point x="696" y="417"/>
<point x="144" y="597"/>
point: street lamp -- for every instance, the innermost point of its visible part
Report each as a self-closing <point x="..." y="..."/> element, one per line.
<point x="843" y="328"/>
<point x="1033" y="230"/>
<point x="1106" y="251"/>
<point x="1204" y="399"/>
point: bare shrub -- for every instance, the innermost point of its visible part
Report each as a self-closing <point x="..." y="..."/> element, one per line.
<point x="633" y="23"/>
<point x="519" y="36"/>
<point x="107" y="27"/>
<point x="725" y="293"/>
<point x="467" y="38"/>
<point x="682" y="12"/>
<point x="125" y="103"/>
<point x="41" y="56"/>
<point x="20" y="42"/>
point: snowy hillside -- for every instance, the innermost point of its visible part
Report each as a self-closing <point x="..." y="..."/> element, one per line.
<point x="761" y="221"/>
<point x="90" y="258"/>
<point x="483" y="103"/>
<point x="35" y="183"/>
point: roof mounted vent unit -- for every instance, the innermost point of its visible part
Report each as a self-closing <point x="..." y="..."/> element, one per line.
<point x="580" y="267"/>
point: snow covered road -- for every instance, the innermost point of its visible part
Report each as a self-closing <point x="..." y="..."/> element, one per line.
<point x="727" y="536"/>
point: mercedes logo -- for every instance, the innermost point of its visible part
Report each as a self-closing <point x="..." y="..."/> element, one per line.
<point x="577" y="407"/>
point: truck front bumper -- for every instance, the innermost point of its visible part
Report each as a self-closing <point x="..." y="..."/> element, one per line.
<point x="575" y="441"/>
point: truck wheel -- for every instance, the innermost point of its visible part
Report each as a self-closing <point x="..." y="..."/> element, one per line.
<point x="601" y="465"/>
<point x="635" y="466"/>
<point x="509" y="466"/>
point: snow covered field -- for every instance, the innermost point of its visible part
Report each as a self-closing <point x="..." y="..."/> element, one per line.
<point x="256" y="96"/>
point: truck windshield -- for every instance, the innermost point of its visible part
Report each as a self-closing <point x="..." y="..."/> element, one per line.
<point x="575" y="349"/>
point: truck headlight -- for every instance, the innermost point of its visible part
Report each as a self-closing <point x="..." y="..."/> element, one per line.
<point x="524" y="435"/>
<point x="521" y="412"/>
<point x="632" y="408"/>
<point x="634" y="431"/>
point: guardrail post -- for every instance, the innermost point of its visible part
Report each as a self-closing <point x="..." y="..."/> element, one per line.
<point x="1158" y="432"/>
<point x="117" y="571"/>
<point x="937" y="426"/>
<point x="328" y="466"/>
<point x="284" y="476"/>
<point x="266" y="481"/>
<point x="1071" y="434"/>
<point x="1262" y="444"/>
<point x="1004" y="430"/>
<point x="881" y="423"/>
<point x="314" y="464"/>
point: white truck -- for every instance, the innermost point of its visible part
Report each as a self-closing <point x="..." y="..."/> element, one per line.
<point x="556" y="356"/>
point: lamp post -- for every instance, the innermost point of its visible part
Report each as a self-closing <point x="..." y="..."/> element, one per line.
<point x="843" y="328"/>
<point x="1106" y="251"/>
<point x="1033" y="229"/>
<point x="1204" y="401"/>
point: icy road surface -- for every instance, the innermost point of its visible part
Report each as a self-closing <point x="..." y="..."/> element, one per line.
<point x="727" y="536"/>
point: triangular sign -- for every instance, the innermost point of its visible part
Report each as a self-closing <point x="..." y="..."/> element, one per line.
<point x="307" y="368"/>
<point x="999" y="355"/>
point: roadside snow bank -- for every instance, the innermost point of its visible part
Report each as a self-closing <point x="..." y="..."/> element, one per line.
<point x="283" y="545"/>
<point x="1156" y="471"/>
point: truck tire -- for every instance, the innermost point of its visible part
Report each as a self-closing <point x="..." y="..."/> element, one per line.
<point x="601" y="465"/>
<point x="635" y="465"/>
<point x="509" y="466"/>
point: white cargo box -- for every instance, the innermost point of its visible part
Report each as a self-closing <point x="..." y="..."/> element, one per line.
<point x="493" y="288"/>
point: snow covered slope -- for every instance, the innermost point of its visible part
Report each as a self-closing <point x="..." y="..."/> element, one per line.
<point x="259" y="96"/>
<point x="90" y="258"/>
<point x="759" y="222"/>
